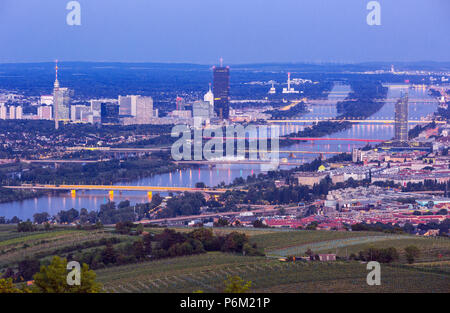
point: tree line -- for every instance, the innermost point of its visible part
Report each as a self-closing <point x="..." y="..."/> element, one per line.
<point x="167" y="244"/>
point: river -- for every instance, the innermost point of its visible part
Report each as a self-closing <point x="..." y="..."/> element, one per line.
<point x="92" y="200"/>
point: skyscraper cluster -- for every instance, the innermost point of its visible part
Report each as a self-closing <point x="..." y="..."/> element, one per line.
<point x="215" y="103"/>
<point x="136" y="109"/>
<point x="126" y="110"/>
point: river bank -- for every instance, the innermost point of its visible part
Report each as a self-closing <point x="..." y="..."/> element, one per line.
<point x="131" y="169"/>
<point x="188" y="177"/>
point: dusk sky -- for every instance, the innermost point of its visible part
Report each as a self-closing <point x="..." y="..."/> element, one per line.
<point x="240" y="31"/>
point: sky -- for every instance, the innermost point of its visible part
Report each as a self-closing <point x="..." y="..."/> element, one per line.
<point x="240" y="31"/>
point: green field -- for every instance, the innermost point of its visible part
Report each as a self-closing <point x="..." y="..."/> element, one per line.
<point x="276" y="241"/>
<point x="431" y="249"/>
<point x="279" y="243"/>
<point x="43" y="245"/>
<point x="435" y="266"/>
<point x="207" y="272"/>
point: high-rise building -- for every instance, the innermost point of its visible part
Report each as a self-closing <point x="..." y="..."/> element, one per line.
<point x="45" y="112"/>
<point x="144" y="110"/>
<point x="401" y="119"/>
<point x="221" y="91"/>
<point x="202" y="109"/>
<point x="61" y="101"/>
<point x="127" y="105"/>
<point x="12" y="112"/>
<point x="77" y="112"/>
<point x="136" y="109"/>
<point x="3" y="112"/>
<point x="62" y="96"/>
<point x="55" y="97"/>
<point x="96" y="109"/>
<point x="109" y="113"/>
<point x="95" y="116"/>
<point x="19" y="113"/>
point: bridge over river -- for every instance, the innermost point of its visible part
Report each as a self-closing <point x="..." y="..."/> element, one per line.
<point x="118" y="188"/>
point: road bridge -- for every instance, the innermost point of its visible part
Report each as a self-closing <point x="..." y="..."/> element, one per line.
<point x="332" y="102"/>
<point x="334" y="139"/>
<point x="113" y="150"/>
<point x="46" y="161"/>
<point x="365" y="121"/>
<point x="118" y="188"/>
<point x="63" y="161"/>
<point x="259" y="162"/>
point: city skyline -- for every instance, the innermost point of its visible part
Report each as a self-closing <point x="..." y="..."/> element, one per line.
<point x="259" y="146"/>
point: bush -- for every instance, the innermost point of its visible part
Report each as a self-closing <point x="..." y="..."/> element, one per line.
<point x="25" y="227"/>
<point x="124" y="228"/>
<point x="411" y="252"/>
<point x="252" y="250"/>
<point x="386" y="255"/>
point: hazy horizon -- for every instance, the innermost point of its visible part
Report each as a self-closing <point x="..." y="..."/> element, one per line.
<point x="330" y="63"/>
<point x="242" y="32"/>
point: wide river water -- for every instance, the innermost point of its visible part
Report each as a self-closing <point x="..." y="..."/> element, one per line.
<point x="92" y="200"/>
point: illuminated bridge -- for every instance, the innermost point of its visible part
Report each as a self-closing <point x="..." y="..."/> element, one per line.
<point x="332" y="102"/>
<point x="335" y="139"/>
<point x="143" y="150"/>
<point x="118" y="188"/>
<point x="291" y="153"/>
<point x="113" y="150"/>
<point x="239" y="162"/>
<point x="62" y="161"/>
<point x="372" y="121"/>
<point x="295" y="138"/>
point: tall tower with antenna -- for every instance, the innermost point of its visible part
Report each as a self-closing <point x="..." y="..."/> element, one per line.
<point x="56" y="96"/>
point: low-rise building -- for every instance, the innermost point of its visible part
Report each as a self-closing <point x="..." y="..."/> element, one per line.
<point x="327" y="257"/>
<point x="310" y="178"/>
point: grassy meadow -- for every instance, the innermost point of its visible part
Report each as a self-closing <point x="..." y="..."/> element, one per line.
<point x="429" y="273"/>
